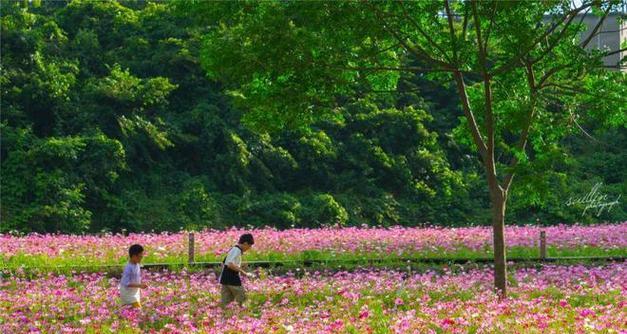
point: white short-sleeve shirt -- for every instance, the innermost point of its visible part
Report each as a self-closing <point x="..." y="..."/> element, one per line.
<point x="234" y="256"/>
<point x="131" y="274"/>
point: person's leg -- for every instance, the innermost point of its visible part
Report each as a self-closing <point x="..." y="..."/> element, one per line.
<point x="239" y="294"/>
<point x="226" y="296"/>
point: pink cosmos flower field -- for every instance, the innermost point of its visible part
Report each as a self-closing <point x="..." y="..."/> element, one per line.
<point x="272" y="244"/>
<point x="542" y="299"/>
<point x="554" y="299"/>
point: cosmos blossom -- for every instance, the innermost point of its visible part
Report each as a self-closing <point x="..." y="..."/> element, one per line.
<point x="579" y="298"/>
<point x="394" y="241"/>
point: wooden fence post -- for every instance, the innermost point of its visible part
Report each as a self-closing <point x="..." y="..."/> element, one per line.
<point x="542" y="245"/>
<point x="190" y="254"/>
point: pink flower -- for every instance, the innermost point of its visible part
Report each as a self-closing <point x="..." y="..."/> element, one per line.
<point x="186" y="302"/>
<point x="337" y="324"/>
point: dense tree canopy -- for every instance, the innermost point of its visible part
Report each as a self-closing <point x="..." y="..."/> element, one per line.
<point x="110" y="122"/>
<point x="522" y="71"/>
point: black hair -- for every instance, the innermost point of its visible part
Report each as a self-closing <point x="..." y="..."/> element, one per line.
<point x="247" y="239"/>
<point x="135" y="249"/>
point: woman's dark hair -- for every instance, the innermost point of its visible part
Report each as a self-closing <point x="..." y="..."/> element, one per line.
<point x="135" y="249"/>
<point x="247" y="239"/>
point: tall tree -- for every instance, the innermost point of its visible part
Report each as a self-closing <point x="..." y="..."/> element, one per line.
<point x="521" y="69"/>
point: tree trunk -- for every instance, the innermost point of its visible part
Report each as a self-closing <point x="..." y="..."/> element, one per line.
<point x="498" y="198"/>
<point x="498" y="194"/>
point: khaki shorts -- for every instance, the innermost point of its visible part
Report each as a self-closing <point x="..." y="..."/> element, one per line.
<point x="231" y="292"/>
<point x="134" y="304"/>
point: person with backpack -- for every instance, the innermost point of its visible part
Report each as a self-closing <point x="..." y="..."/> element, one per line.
<point x="230" y="280"/>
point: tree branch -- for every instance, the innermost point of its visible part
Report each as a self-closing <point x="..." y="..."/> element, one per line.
<point x="584" y="15"/>
<point x="472" y="122"/>
<point x="616" y="67"/>
<point x="614" y="52"/>
<point x="451" y="28"/>
<point x="516" y="60"/>
<point x="395" y="69"/>
<point x="584" y="131"/>
<point x="487" y="34"/>
<point x="575" y="91"/>
<point x="465" y="23"/>
<point x="487" y="90"/>
<point x="522" y="142"/>
<point x="550" y="73"/>
<point x="423" y="33"/>
<point x="556" y="41"/>
<point x="596" y="28"/>
<point x="416" y="50"/>
<point x="380" y="51"/>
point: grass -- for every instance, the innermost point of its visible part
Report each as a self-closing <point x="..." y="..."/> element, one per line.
<point x="311" y="258"/>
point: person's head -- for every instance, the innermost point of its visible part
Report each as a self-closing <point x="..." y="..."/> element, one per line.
<point x="136" y="253"/>
<point x="246" y="241"/>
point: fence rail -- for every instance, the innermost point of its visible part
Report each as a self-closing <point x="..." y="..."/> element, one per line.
<point x="311" y="262"/>
<point x="542" y="257"/>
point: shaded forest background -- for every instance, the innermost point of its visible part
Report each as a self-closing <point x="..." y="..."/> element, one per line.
<point x="109" y="123"/>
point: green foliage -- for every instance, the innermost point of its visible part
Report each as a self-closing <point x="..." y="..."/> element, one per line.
<point x="322" y="210"/>
<point x="110" y="122"/>
<point x="196" y="206"/>
<point x="280" y="210"/>
<point x="45" y="181"/>
<point x="522" y="84"/>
